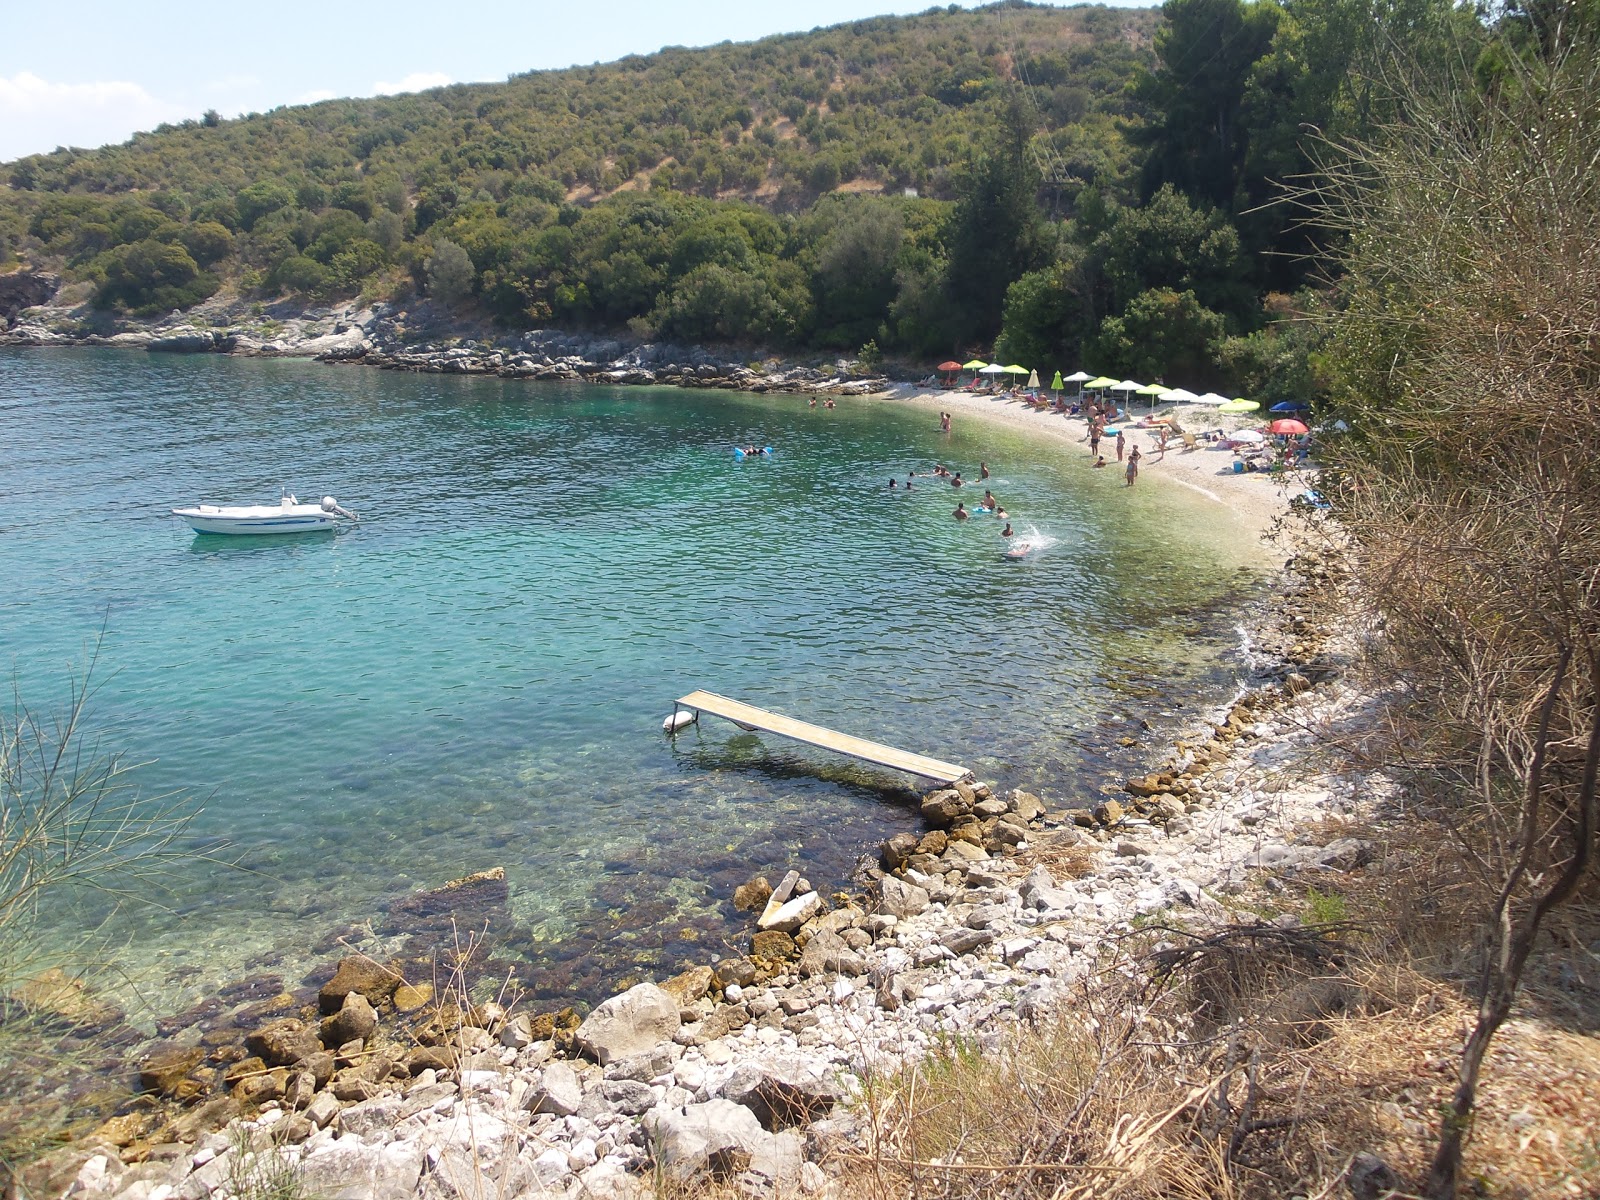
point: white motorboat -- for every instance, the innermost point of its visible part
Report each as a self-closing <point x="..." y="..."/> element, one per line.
<point x="287" y="516"/>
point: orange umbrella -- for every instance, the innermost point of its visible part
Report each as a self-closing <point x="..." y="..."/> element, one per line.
<point x="1288" y="425"/>
<point x="949" y="366"/>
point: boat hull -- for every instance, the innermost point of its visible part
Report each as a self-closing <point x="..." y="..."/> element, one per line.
<point x="300" y="518"/>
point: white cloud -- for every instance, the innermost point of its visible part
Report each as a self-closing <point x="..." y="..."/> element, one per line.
<point x="36" y="115"/>
<point x="417" y="81"/>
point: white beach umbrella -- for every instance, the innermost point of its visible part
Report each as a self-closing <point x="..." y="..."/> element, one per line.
<point x="1078" y="377"/>
<point x="1179" y="396"/>
<point x="1213" y="399"/>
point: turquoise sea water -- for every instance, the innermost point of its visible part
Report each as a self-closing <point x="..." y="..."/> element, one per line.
<point x="476" y="674"/>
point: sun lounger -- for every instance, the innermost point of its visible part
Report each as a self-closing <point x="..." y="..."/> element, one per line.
<point x="1190" y="442"/>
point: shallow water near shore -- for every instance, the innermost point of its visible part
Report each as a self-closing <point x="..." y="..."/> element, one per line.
<point x="475" y="675"/>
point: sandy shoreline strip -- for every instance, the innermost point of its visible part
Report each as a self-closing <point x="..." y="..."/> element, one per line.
<point x="1255" y="499"/>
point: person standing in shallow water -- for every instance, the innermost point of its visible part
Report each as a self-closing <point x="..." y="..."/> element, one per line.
<point x="1122" y="445"/>
<point x="960" y="513"/>
<point x="1133" y="466"/>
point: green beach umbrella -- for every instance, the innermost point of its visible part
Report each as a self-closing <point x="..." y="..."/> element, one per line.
<point x="1103" y="381"/>
<point x="1239" y="406"/>
<point x="1013" y="369"/>
<point x="976" y="364"/>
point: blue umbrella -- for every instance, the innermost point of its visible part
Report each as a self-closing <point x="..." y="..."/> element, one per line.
<point x="1289" y="406"/>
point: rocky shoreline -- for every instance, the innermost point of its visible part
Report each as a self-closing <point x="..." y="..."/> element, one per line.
<point x="424" y="340"/>
<point x="749" y="1068"/>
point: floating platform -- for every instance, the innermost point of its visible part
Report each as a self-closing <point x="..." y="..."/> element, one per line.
<point x="748" y="716"/>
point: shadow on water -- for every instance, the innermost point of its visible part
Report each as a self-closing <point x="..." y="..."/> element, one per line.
<point x="747" y="752"/>
<point x="208" y="545"/>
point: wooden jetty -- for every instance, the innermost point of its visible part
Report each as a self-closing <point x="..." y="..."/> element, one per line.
<point x="748" y="716"/>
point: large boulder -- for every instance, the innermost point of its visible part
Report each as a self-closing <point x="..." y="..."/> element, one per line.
<point x="629" y="1024"/>
<point x="24" y="289"/>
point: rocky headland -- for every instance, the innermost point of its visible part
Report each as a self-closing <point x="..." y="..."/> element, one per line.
<point x="421" y="338"/>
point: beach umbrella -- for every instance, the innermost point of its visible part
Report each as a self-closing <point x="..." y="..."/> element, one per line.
<point x="1013" y="369"/>
<point x="1239" y="406"/>
<point x="991" y="369"/>
<point x="1247" y="435"/>
<point x="1214" y="398"/>
<point x="1055" y="384"/>
<point x="950" y="366"/>
<point x="1126" y="385"/>
<point x="976" y="364"/>
<point x="1289" y="406"/>
<point x="1100" y="382"/>
<point x="1180" y="396"/>
<point x="1078" y="377"/>
<point x="1288" y="425"/>
<point x="1033" y="380"/>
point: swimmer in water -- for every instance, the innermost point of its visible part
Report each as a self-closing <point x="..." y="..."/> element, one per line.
<point x="988" y="499"/>
<point x="983" y="470"/>
<point x="1006" y="532"/>
<point x="961" y="513"/>
<point x="956" y="481"/>
<point x="1001" y="513"/>
<point x="891" y="485"/>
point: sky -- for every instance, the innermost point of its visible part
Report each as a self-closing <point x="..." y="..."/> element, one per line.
<point x="94" y="72"/>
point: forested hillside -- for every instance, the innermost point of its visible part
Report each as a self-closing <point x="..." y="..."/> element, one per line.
<point x="1084" y="183"/>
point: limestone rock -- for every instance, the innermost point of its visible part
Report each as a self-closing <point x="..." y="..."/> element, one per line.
<point x="358" y="973"/>
<point x="631" y="1023"/>
<point x="752" y="895"/>
<point x="897" y="849"/>
<point x="1026" y="805"/>
<point x="165" y="1069"/>
<point x="1040" y="890"/>
<point x="944" y="807"/>
<point x="559" y="1092"/>
<point x="409" y="997"/>
<point x="724" y="1139"/>
<point x="739" y="971"/>
<point x="284" y="1042"/>
<point x="782" y="1094"/>
<point x="897" y="898"/>
<point x="355" y="1021"/>
<point x="790" y="915"/>
<point x="827" y="952"/>
<point x="772" y="944"/>
<point x="688" y="986"/>
<point x="1108" y="812"/>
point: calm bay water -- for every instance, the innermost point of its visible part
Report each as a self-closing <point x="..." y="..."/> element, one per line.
<point x="476" y="674"/>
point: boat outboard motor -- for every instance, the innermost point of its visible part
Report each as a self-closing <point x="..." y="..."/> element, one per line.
<point x="330" y="505"/>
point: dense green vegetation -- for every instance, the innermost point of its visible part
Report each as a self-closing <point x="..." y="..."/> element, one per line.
<point x="1084" y="184"/>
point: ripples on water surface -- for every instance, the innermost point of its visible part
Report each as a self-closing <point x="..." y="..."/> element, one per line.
<point x="477" y="673"/>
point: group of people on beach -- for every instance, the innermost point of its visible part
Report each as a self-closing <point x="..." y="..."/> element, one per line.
<point x="1097" y="430"/>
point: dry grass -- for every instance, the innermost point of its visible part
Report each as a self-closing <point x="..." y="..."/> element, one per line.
<point x="1259" y="1064"/>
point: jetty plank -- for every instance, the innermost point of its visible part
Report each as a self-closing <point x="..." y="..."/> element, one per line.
<point x="749" y="716"/>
